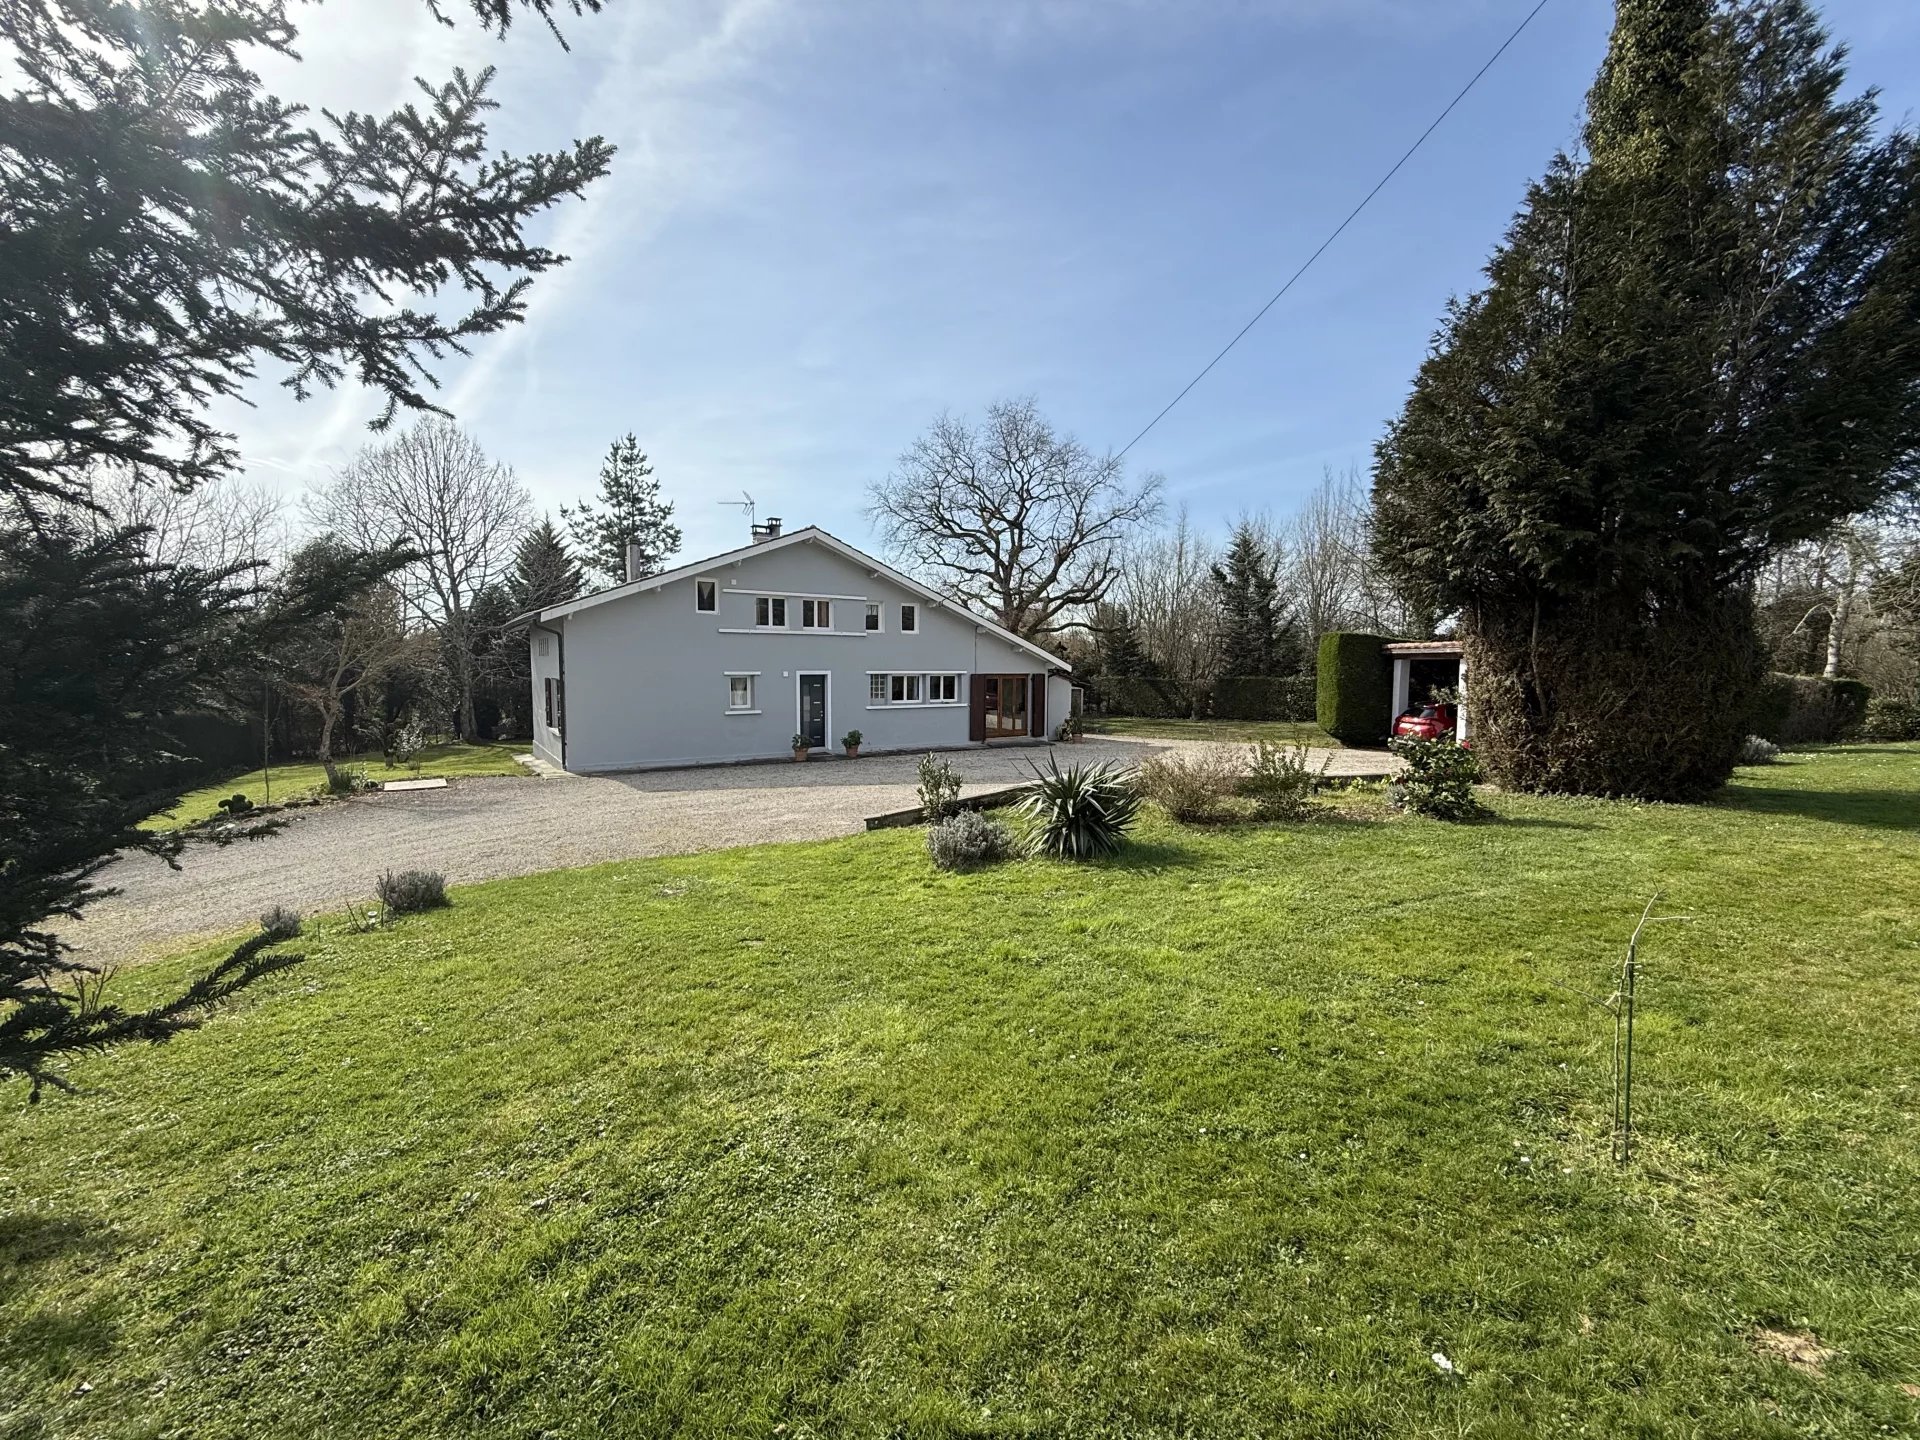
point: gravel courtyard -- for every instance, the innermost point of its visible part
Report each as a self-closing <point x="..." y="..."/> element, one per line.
<point x="482" y="829"/>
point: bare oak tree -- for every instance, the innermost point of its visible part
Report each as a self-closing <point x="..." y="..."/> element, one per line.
<point x="218" y="525"/>
<point x="435" y="488"/>
<point x="1012" y="518"/>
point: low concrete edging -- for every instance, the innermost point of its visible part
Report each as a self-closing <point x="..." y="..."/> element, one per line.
<point x="985" y="800"/>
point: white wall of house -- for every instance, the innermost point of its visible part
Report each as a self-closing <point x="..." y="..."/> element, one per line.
<point x="653" y="680"/>
<point x="545" y="647"/>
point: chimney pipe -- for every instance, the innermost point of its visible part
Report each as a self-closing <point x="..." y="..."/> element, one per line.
<point x="636" y="562"/>
<point x="769" y="529"/>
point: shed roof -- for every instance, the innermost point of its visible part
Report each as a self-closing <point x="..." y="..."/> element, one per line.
<point x="1445" y="648"/>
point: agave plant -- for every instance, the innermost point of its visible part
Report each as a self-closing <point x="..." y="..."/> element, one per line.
<point x="1081" y="812"/>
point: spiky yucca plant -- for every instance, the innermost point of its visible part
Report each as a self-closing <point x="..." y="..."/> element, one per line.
<point x="1082" y="812"/>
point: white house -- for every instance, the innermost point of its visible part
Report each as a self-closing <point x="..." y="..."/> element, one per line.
<point x="795" y="634"/>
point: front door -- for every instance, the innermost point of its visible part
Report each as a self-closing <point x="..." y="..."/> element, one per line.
<point x="813" y="710"/>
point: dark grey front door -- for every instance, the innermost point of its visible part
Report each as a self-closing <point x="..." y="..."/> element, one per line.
<point x="813" y="709"/>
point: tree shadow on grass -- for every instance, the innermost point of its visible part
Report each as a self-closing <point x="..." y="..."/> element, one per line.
<point x="49" y="1340"/>
<point x="1878" y="809"/>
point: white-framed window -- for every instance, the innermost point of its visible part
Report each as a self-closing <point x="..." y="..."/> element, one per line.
<point x="909" y="618"/>
<point x="873" y="617"/>
<point x="543" y="644"/>
<point x="816" y="614"/>
<point x="706" y="596"/>
<point x="943" y="689"/>
<point x="770" y="612"/>
<point x="876" y="689"/>
<point x="740" y="694"/>
<point x="903" y="689"/>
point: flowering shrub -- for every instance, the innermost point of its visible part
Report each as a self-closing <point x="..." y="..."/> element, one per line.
<point x="1756" y="751"/>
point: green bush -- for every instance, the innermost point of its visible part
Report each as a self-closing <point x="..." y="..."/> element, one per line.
<point x="1281" y="780"/>
<point x="1438" y="779"/>
<point x="939" y="790"/>
<point x="1809" y="709"/>
<point x="1354" y="687"/>
<point x="1889" y="718"/>
<point x="1081" y="812"/>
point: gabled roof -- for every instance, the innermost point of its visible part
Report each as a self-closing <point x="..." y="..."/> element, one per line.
<point x="809" y="534"/>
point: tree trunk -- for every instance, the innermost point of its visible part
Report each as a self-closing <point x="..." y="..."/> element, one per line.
<point x="1837" y="616"/>
<point x="327" y="717"/>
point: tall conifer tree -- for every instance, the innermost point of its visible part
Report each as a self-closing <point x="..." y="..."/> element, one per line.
<point x="1700" y="342"/>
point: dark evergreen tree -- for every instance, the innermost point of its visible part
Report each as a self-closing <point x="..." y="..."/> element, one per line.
<point x="1254" y="636"/>
<point x="630" y="510"/>
<point x="1118" y="650"/>
<point x="165" y="226"/>
<point x="1698" y="343"/>
<point x="544" y="571"/>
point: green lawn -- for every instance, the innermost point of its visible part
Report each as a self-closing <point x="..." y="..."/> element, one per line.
<point x="1286" y="732"/>
<point x="298" y="781"/>
<point x="1224" y="1138"/>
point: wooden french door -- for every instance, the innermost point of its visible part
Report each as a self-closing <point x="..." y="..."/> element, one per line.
<point x="1001" y="705"/>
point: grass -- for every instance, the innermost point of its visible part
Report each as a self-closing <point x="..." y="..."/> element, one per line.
<point x="1285" y="732"/>
<point x="299" y="781"/>
<point x="1226" y="1137"/>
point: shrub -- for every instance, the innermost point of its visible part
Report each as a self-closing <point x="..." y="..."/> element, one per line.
<point x="280" y="923"/>
<point x="1888" y="718"/>
<point x="412" y="891"/>
<point x="1196" y="786"/>
<point x="1081" y="812"/>
<point x="1756" y="751"/>
<point x="1281" y="780"/>
<point x="1354" y="687"/>
<point x="939" y="789"/>
<point x="1438" y="779"/>
<point x="1810" y="709"/>
<point x="967" y="840"/>
<point x="236" y="805"/>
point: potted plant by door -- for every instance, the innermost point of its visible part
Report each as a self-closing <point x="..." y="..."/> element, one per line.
<point x="851" y="740"/>
<point x="800" y="747"/>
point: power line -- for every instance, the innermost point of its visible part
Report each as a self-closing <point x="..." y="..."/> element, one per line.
<point x="1352" y="215"/>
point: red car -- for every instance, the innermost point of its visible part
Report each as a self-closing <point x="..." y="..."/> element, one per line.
<point x="1428" y="722"/>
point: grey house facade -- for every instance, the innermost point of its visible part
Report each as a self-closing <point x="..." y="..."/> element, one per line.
<point x="796" y="634"/>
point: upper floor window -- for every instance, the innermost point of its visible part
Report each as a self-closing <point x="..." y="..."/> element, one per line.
<point x="706" y="596"/>
<point x="816" y="614"/>
<point x="770" y="611"/>
<point x="909" y="617"/>
<point x="873" y="617"/>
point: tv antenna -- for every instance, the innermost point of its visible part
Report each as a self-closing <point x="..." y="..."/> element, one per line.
<point x="745" y="505"/>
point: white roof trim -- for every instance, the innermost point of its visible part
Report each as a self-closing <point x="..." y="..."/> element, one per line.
<point x="812" y="533"/>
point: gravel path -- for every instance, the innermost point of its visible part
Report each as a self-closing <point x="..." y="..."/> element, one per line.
<point x="481" y="829"/>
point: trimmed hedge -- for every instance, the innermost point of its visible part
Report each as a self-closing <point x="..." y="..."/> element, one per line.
<point x="1354" y="687"/>
<point x="1809" y="709"/>
<point x="1264" y="697"/>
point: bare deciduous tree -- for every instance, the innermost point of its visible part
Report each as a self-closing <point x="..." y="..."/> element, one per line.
<point x="1165" y="583"/>
<point x="1011" y="517"/>
<point x="463" y="512"/>
<point x="216" y="526"/>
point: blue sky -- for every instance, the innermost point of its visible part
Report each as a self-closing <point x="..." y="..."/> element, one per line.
<point x="829" y="221"/>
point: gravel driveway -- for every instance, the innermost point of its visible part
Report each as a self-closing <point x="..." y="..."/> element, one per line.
<point x="481" y="829"/>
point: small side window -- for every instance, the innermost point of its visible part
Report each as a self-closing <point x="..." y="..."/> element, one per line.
<point x="706" y="596"/>
<point x="739" y="692"/>
<point x="873" y="617"/>
<point x="909" y="617"/>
